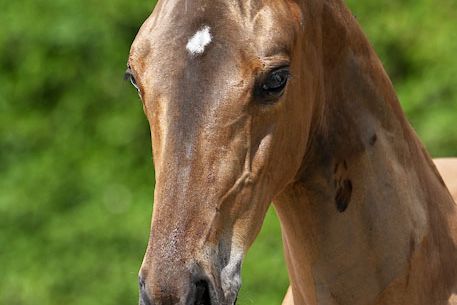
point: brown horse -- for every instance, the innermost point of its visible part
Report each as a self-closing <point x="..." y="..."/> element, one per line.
<point x="254" y="101"/>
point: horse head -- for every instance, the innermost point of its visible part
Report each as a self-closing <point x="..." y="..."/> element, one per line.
<point x="221" y="83"/>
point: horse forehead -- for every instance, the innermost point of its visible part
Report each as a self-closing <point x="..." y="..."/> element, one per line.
<point x="193" y="25"/>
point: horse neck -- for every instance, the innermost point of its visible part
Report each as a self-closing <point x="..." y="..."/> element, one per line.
<point x="369" y="220"/>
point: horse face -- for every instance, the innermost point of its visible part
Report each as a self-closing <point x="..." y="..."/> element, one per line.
<point x="219" y="82"/>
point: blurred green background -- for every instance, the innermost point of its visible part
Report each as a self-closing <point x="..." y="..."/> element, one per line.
<point x="76" y="174"/>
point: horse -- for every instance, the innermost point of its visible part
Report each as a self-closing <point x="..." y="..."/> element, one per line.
<point x="251" y="102"/>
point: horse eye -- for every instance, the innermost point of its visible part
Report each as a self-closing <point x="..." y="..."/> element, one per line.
<point x="129" y="76"/>
<point x="133" y="82"/>
<point x="276" y="81"/>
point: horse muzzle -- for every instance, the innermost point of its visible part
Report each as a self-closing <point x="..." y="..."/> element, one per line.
<point x="197" y="290"/>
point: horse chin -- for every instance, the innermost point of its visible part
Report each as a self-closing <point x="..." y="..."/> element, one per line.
<point x="231" y="280"/>
<point x="231" y="291"/>
<point x="230" y="296"/>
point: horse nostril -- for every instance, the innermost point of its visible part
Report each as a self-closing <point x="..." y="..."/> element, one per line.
<point x="202" y="296"/>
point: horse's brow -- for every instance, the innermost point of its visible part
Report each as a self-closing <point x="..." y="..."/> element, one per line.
<point x="277" y="51"/>
<point x="276" y="60"/>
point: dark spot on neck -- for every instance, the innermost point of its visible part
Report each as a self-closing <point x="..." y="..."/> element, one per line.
<point x="343" y="195"/>
<point x="373" y="139"/>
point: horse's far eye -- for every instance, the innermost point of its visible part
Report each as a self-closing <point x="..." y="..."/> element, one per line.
<point x="133" y="82"/>
<point x="129" y="76"/>
<point x="275" y="83"/>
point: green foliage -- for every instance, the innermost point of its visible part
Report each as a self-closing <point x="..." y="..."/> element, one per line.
<point x="75" y="158"/>
<point x="76" y="176"/>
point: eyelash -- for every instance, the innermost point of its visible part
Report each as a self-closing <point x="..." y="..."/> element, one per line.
<point x="129" y="77"/>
